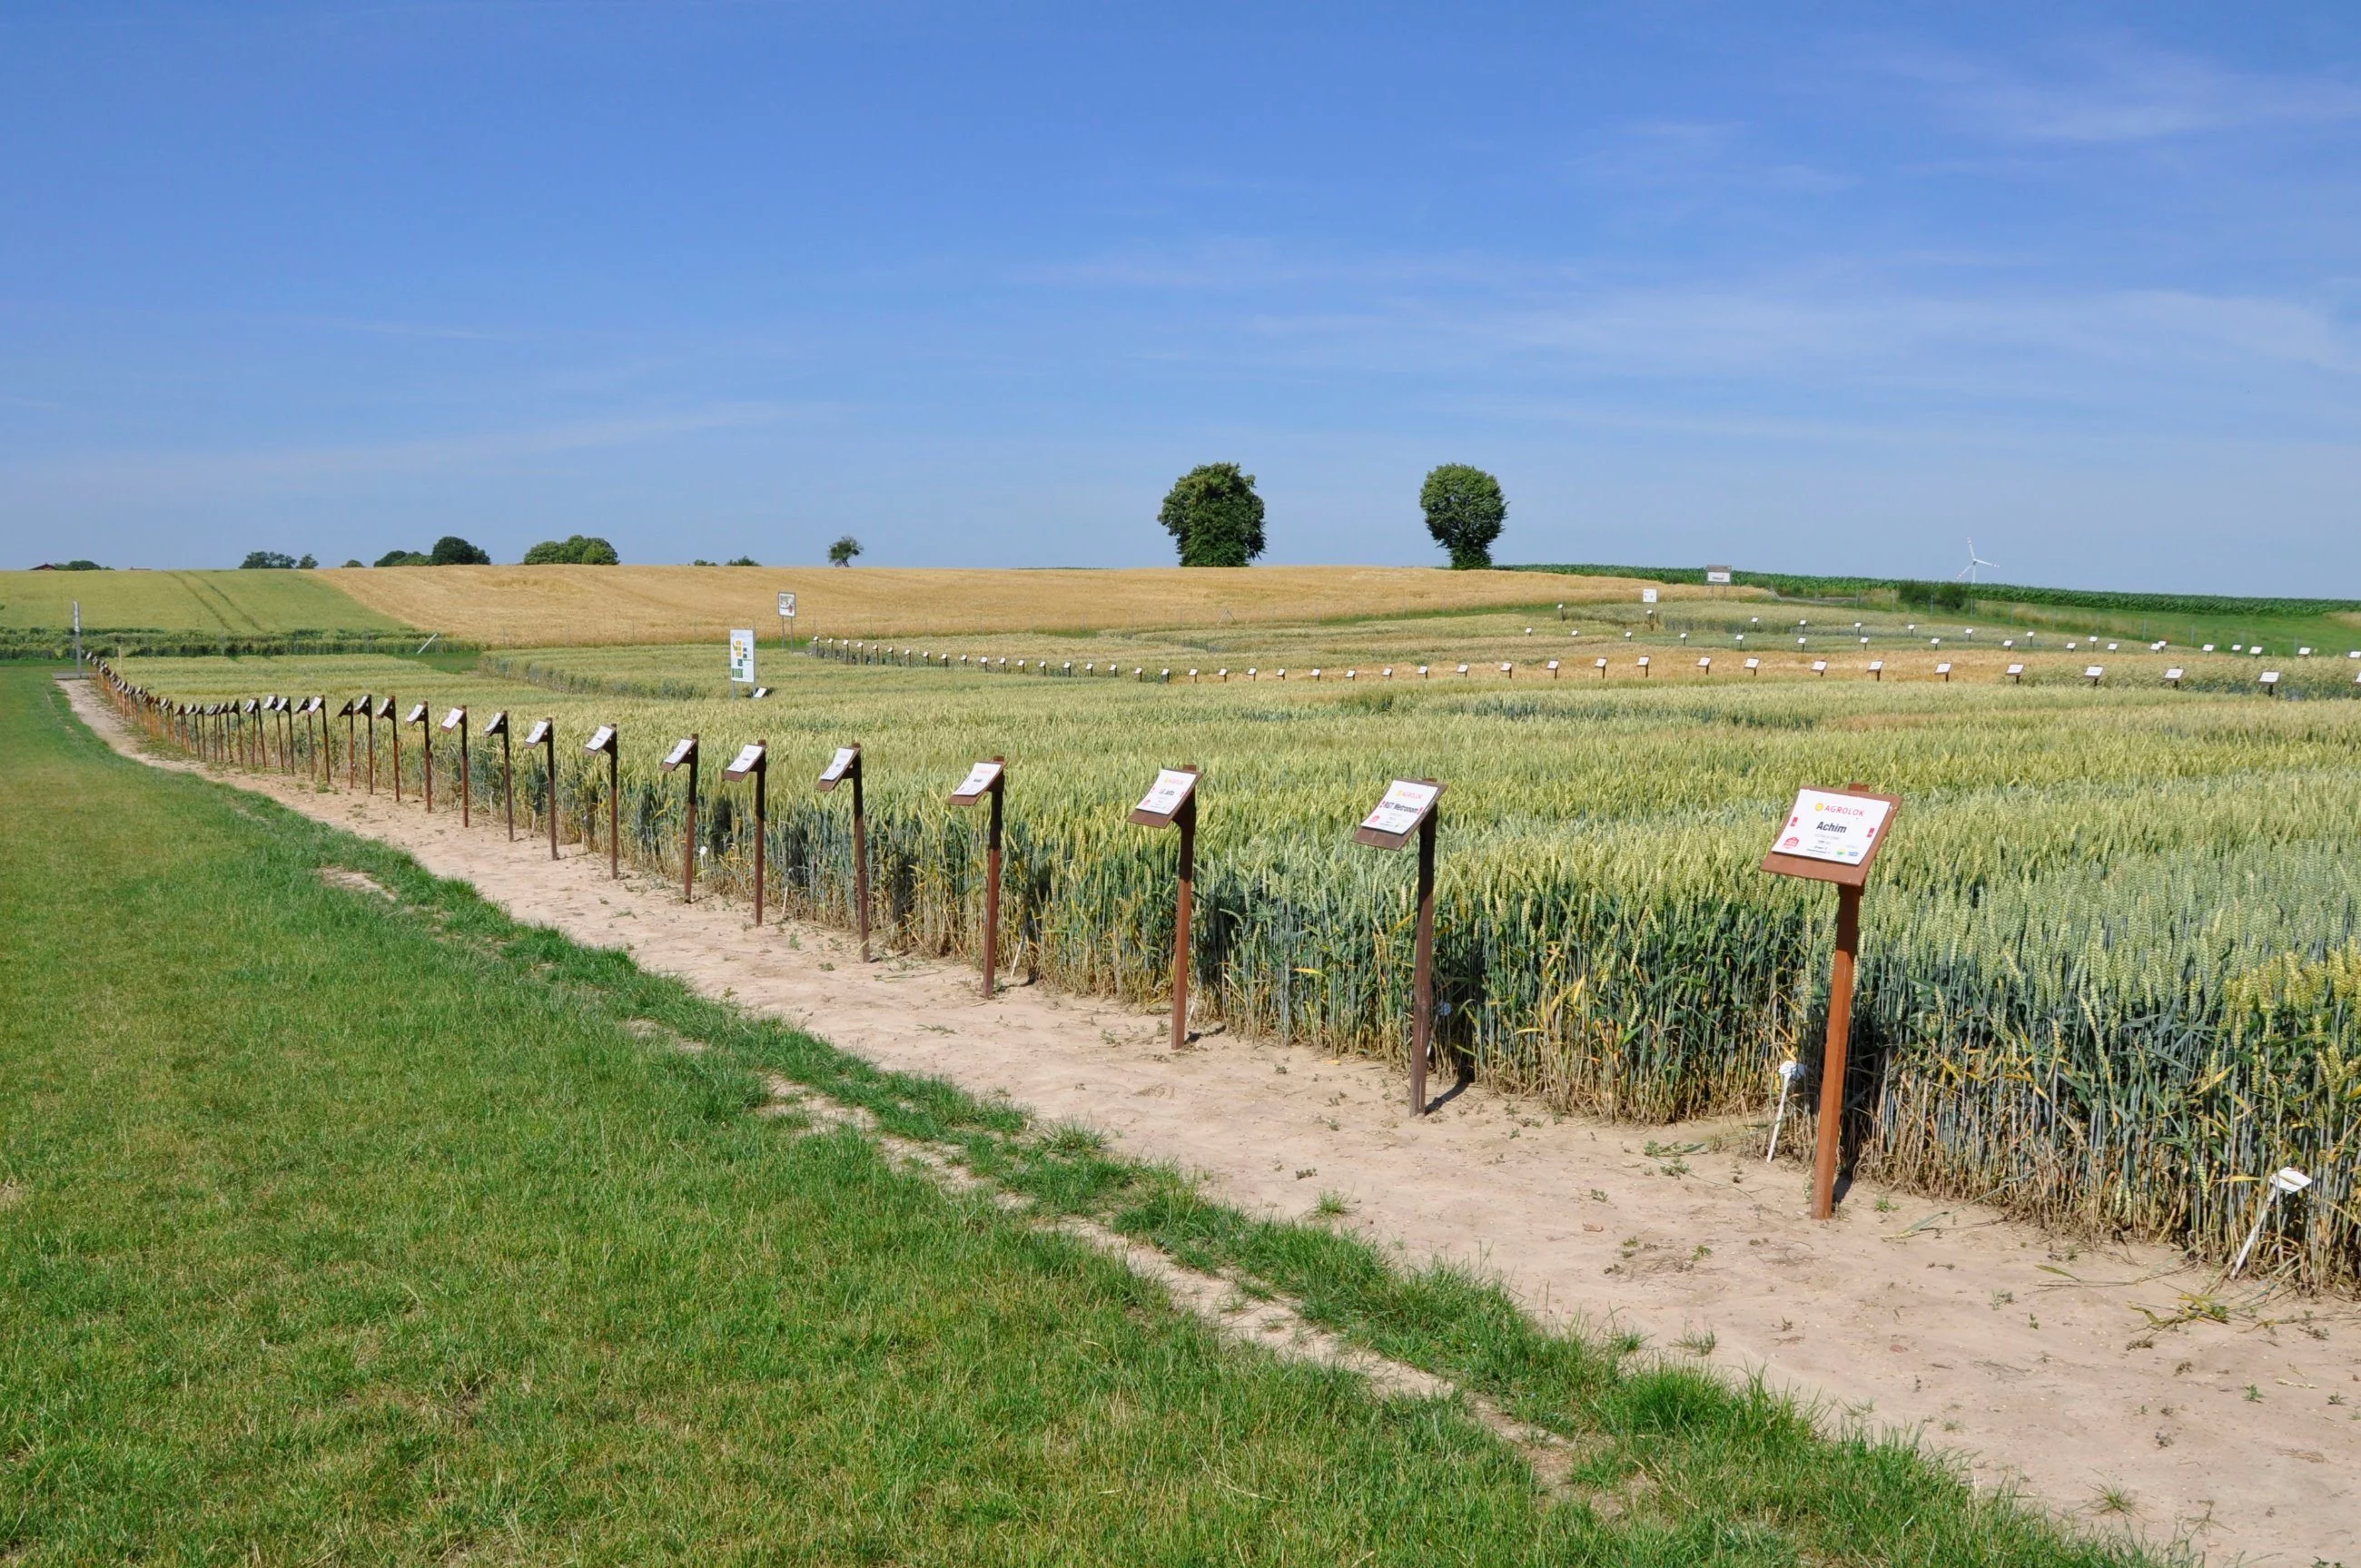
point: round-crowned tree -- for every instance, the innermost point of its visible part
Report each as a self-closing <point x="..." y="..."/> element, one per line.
<point x="1215" y="516"/>
<point x="452" y="551"/>
<point x="1464" y="510"/>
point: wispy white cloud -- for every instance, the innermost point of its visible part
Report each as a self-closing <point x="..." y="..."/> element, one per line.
<point x="2118" y="93"/>
<point x="1243" y="264"/>
<point x="1686" y="158"/>
<point x="182" y="474"/>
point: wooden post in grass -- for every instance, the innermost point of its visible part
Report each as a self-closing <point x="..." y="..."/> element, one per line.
<point x="846" y="764"/>
<point x="458" y="719"/>
<point x="1172" y="802"/>
<point x="683" y="753"/>
<point x="1833" y="835"/>
<point x="393" y="733"/>
<point x="603" y="739"/>
<point x="543" y="734"/>
<point x="1409" y="808"/>
<point x="499" y="725"/>
<point x="755" y="760"/>
<point x="988" y="779"/>
<point x="352" y="743"/>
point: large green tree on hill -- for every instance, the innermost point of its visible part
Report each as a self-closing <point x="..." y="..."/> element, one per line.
<point x="1465" y="511"/>
<point x="1215" y="516"/>
<point x="573" y="550"/>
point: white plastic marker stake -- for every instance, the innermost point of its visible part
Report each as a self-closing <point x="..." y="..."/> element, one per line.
<point x="2286" y="1178"/>
<point x="1789" y="1071"/>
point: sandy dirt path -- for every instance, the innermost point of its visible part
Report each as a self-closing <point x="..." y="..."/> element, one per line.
<point x="2033" y="1357"/>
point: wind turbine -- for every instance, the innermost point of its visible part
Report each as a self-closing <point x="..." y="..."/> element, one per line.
<point x="1968" y="573"/>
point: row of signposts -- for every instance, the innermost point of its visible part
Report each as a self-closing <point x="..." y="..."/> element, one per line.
<point x="1831" y="835"/>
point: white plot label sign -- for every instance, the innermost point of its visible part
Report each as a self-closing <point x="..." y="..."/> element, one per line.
<point x="741" y="657"/>
<point x="979" y="779"/>
<point x="1405" y="804"/>
<point x="1839" y="828"/>
<point x="786" y="606"/>
<point x="1168" y="794"/>
<point x="838" y="764"/>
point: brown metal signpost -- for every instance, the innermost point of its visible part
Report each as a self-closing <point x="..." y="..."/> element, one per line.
<point x="684" y="752"/>
<point x="1172" y="802"/>
<point x="988" y="778"/>
<point x="458" y="719"/>
<point x="499" y="725"/>
<point x="846" y="764"/>
<point x="753" y="760"/>
<point x="603" y="739"/>
<point x="352" y="741"/>
<point x="393" y="729"/>
<point x="543" y="734"/>
<point x="1834" y="836"/>
<point x="1407" y="807"/>
<point x="418" y="716"/>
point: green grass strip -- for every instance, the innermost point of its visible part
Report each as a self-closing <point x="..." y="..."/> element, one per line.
<point x="337" y="1228"/>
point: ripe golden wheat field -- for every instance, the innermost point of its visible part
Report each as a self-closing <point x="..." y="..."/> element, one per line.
<point x="508" y="607"/>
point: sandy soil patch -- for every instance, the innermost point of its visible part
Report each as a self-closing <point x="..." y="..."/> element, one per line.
<point x="2077" y="1372"/>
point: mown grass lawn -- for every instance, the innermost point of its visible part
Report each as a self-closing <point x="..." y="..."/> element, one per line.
<point x="344" y="1228"/>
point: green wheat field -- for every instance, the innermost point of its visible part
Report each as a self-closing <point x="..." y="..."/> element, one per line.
<point x="2109" y="973"/>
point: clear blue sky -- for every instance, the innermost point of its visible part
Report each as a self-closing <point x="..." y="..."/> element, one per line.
<point x="1812" y="287"/>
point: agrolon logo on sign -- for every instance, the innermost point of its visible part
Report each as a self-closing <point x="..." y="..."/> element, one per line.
<point x="1836" y="828"/>
<point x="1405" y="801"/>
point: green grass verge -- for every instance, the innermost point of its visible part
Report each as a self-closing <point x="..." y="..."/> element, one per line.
<point x="344" y="1229"/>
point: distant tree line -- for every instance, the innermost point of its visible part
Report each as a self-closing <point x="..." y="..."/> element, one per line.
<point x="1933" y="596"/>
<point x="573" y="550"/>
<point x="1215" y="518"/>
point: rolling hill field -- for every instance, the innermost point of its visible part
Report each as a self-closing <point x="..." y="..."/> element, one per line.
<point x="526" y="606"/>
<point x="241" y="604"/>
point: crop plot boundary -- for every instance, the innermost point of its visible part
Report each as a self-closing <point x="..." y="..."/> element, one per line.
<point x="2059" y="1387"/>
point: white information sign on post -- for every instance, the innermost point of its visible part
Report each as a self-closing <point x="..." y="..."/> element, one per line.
<point x="786" y="606"/>
<point x="1841" y="828"/>
<point x="1403" y="805"/>
<point x="1165" y="796"/>
<point x="838" y="763"/>
<point x="1647" y="596"/>
<point x="979" y="779"/>
<point x="741" y="657"/>
<point x="600" y="739"/>
<point x="451" y="719"/>
<point x="539" y="733"/>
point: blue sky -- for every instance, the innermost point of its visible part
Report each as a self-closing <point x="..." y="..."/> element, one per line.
<point x="1818" y="287"/>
